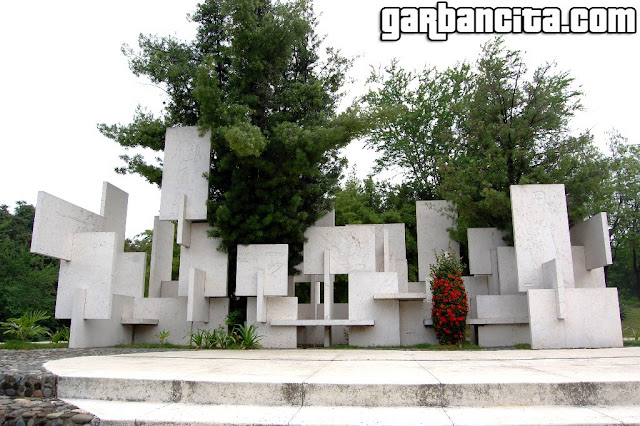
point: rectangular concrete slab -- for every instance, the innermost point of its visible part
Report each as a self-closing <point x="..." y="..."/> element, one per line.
<point x="352" y="248"/>
<point x="161" y="255"/>
<point x="412" y="329"/>
<point x="541" y="233"/>
<point x="203" y="254"/>
<point x="92" y="333"/>
<point x="507" y="306"/>
<point x="507" y="270"/>
<point x="503" y="335"/>
<point x="585" y="278"/>
<point x="481" y="242"/>
<point x="272" y="260"/>
<point x="186" y="161"/>
<point x="197" y="304"/>
<point x="593" y="235"/>
<point x="114" y="210"/>
<point x="277" y="308"/>
<point x="129" y="274"/>
<point x="92" y="267"/>
<point x="55" y="223"/>
<point x="172" y="316"/>
<point x="585" y="307"/>
<point x="385" y="313"/>
<point x="434" y="218"/>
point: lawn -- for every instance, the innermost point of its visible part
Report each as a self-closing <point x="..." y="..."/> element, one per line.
<point x="631" y="322"/>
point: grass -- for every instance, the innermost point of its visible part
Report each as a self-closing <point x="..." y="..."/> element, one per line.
<point x="19" y="345"/>
<point x="632" y="316"/>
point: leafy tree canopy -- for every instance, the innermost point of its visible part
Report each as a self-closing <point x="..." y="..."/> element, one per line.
<point x="468" y="133"/>
<point x="254" y="78"/>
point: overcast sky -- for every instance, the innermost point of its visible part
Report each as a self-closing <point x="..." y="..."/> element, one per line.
<point x="62" y="73"/>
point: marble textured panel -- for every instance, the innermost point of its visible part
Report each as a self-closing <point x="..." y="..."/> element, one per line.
<point x="161" y="255"/>
<point x="55" y="223"/>
<point x="434" y="218"/>
<point x="352" y="249"/>
<point x="412" y="329"/>
<point x="592" y="320"/>
<point x="277" y="308"/>
<point x="362" y="306"/>
<point x="481" y="242"/>
<point x="503" y="335"/>
<point x="92" y="266"/>
<point x="593" y="235"/>
<point x="197" y="304"/>
<point x="272" y="259"/>
<point x="585" y="278"/>
<point x="203" y="254"/>
<point x="129" y="274"/>
<point x="186" y="161"/>
<point x="93" y="333"/>
<point x="172" y="316"/>
<point x="507" y="270"/>
<point x="541" y="233"/>
<point x="114" y="210"/>
<point x="502" y="307"/>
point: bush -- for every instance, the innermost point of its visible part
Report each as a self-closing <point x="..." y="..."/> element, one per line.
<point x="450" y="305"/>
<point x="26" y="327"/>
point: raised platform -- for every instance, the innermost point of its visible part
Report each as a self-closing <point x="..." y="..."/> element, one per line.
<point x="357" y="387"/>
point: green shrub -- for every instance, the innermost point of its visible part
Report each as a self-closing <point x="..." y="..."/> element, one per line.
<point x="26" y="327"/>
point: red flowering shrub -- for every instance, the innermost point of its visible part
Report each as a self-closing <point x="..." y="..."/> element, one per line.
<point x="450" y="304"/>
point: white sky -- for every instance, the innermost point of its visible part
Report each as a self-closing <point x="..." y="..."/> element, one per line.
<point x="62" y="72"/>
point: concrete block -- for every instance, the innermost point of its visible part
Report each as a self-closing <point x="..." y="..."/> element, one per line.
<point x="56" y="222"/>
<point x="541" y="233"/>
<point x="114" y="210"/>
<point x="592" y="319"/>
<point x="277" y="308"/>
<point x="583" y="277"/>
<point x="186" y="161"/>
<point x="169" y="289"/>
<point x="434" y="218"/>
<point x="197" y="304"/>
<point x="412" y="329"/>
<point x="203" y="254"/>
<point x="92" y="267"/>
<point x="593" y="235"/>
<point x="218" y="311"/>
<point x="183" y="237"/>
<point x="476" y="285"/>
<point x="481" y="242"/>
<point x="494" y="278"/>
<point x="91" y="333"/>
<point x="161" y="255"/>
<point x="328" y="219"/>
<point x="502" y="335"/>
<point x="351" y="248"/>
<point x="130" y="272"/>
<point x="502" y="307"/>
<point x="272" y="260"/>
<point x="507" y="270"/>
<point x="314" y="335"/>
<point x="385" y="313"/>
<point x="172" y="316"/>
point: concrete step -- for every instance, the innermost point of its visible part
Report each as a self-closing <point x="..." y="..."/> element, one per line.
<point x="150" y="414"/>
<point x="357" y="386"/>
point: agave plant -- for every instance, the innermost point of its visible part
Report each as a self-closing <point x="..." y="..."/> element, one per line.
<point x="26" y="327"/>
<point x="247" y="336"/>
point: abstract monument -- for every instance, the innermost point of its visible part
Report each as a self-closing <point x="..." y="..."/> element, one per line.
<point x="547" y="290"/>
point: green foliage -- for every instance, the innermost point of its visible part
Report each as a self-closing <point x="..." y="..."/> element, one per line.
<point x="26" y="327"/>
<point x="247" y="336"/>
<point x="468" y="133"/>
<point x="62" y="334"/>
<point x="22" y="346"/>
<point x="450" y="304"/>
<point x="27" y="281"/>
<point x="253" y="77"/>
<point x="162" y="336"/>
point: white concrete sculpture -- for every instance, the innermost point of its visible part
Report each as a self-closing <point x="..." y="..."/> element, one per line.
<point x="272" y="260"/>
<point x="351" y="248"/>
<point x="362" y="306"/>
<point x="203" y="254"/>
<point x="541" y="233"/>
<point x="481" y="242"/>
<point x="585" y="278"/>
<point x="186" y="162"/>
<point x="281" y="308"/>
<point x="593" y="235"/>
<point x="56" y="221"/>
<point x="507" y="270"/>
<point x="197" y="303"/>
<point x="434" y="218"/>
<point x="161" y="255"/>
